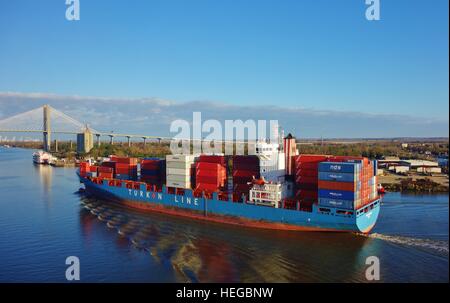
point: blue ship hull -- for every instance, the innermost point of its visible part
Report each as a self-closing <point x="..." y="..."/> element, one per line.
<point x="244" y="214"/>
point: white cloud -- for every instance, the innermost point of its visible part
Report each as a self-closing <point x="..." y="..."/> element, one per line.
<point x="152" y="116"/>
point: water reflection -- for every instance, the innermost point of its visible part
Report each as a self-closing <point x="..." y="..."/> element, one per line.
<point x="205" y="252"/>
<point x="45" y="177"/>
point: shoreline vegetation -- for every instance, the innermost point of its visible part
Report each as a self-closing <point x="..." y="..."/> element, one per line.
<point x="420" y="185"/>
<point x="373" y="150"/>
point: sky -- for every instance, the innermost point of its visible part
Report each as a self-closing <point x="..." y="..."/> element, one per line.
<point x="294" y="60"/>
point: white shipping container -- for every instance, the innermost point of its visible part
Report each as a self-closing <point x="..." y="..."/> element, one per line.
<point x="178" y="178"/>
<point x="178" y="171"/>
<point x="180" y="158"/>
<point x="179" y="165"/>
<point x="177" y="184"/>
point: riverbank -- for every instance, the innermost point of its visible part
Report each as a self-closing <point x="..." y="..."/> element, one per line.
<point x="415" y="183"/>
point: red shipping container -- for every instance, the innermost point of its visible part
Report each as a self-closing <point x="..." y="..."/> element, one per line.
<point x="308" y="186"/>
<point x="104" y="169"/>
<point x="251" y="159"/>
<point x="245" y="173"/>
<point x="246" y="166"/>
<point x="212" y="159"/>
<point x="241" y="180"/>
<point x="105" y="175"/>
<point x="310" y="158"/>
<point x="307" y="173"/>
<point x="210" y="180"/>
<point x="155" y="166"/>
<point x="306" y="179"/>
<point x="111" y="164"/>
<point x="126" y="160"/>
<point x="308" y="165"/>
<point x="125" y="165"/>
<point x="207" y="187"/>
<point x="347" y="186"/>
<point x="311" y="194"/>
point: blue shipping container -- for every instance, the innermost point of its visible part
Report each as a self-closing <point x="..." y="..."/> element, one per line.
<point x="375" y="167"/>
<point x="339" y="177"/>
<point x="338" y="194"/>
<point x="345" y="204"/>
<point x="339" y="167"/>
<point x="150" y="172"/>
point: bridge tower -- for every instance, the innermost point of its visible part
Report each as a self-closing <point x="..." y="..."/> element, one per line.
<point x="47" y="128"/>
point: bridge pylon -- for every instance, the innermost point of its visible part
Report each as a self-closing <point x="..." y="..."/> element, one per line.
<point x="47" y="127"/>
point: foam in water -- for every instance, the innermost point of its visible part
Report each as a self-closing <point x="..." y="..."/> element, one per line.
<point x="428" y="244"/>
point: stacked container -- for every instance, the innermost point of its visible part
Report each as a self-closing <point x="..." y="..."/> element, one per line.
<point x="306" y="176"/>
<point x="87" y="170"/>
<point x="153" y="171"/>
<point x="179" y="170"/>
<point x="340" y="184"/>
<point x="105" y="172"/>
<point x="123" y="168"/>
<point x="245" y="168"/>
<point x="211" y="173"/>
<point x="347" y="182"/>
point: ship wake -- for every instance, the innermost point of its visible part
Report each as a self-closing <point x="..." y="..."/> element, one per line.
<point x="438" y="246"/>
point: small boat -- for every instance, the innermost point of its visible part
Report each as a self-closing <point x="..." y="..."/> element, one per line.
<point x="41" y="157"/>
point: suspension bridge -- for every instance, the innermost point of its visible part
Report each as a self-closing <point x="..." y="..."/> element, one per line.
<point x="48" y="120"/>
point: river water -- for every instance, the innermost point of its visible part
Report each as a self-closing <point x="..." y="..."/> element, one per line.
<point x="44" y="219"/>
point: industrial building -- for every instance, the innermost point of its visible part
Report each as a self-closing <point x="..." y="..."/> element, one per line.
<point x="85" y="142"/>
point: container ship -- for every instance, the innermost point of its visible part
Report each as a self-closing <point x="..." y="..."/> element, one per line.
<point x="277" y="188"/>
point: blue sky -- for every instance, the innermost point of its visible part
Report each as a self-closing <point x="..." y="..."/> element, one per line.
<point x="314" y="54"/>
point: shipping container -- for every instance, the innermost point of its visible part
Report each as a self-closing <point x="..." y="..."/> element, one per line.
<point x="178" y="178"/>
<point x="150" y="172"/>
<point x="334" y="185"/>
<point x="213" y="159"/>
<point x="337" y="203"/>
<point x="339" y="194"/>
<point x="306" y="179"/>
<point x="181" y="158"/>
<point x="177" y="171"/>
<point x="178" y="184"/>
<point x="178" y="165"/>
<point x="104" y="169"/>
<point x="341" y="167"/>
<point x="338" y="177"/>
<point x="309" y="186"/>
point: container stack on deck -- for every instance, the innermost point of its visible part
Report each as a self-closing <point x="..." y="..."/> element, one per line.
<point x="87" y="170"/>
<point x="346" y="182"/>
<point x="123" y="168"/>
<point x="153" y="171"/>
<point x="211" y="173"/>
<point x="179" y="170"/>
<point x="245" y="168"/>
<point x="306" y="177"/>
